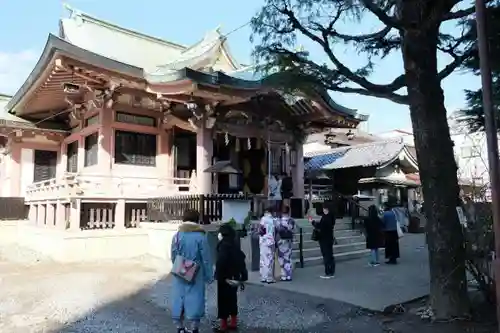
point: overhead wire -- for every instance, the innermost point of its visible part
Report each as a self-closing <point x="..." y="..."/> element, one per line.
<point x="69" y="110"/>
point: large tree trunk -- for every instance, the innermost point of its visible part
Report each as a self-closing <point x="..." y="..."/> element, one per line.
<point x="437" y="166"/>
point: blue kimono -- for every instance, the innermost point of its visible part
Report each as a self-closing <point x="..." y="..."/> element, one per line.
<point x="188" y="300"/>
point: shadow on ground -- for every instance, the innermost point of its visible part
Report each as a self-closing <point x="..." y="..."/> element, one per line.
<point x="262" y="310"/>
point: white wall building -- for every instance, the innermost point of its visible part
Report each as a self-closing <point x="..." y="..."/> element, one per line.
<point x="470" y="152"/>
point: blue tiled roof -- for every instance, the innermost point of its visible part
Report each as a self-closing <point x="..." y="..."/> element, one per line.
<point x="318" y="162"/>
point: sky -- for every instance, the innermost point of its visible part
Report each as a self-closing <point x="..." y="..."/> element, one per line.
<point x="25" y="25"/>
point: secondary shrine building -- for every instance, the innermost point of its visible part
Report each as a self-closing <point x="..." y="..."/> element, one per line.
<point x="109" y="118"/>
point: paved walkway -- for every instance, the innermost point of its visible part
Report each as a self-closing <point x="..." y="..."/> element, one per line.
<point x="129" y="297"/>
<point x="372" y="288"/>
<point x="38" y="295"/>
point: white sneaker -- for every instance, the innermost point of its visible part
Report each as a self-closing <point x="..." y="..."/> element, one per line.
<point x="325" y="276"/>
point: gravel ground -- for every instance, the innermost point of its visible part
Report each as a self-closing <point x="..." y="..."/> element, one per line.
<point x="38" y="295"/>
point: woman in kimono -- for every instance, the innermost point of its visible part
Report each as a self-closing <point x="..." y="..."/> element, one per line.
<point x="267" y="245"/>
<point x="188" y="298"/>
<point x="285" y="228"/>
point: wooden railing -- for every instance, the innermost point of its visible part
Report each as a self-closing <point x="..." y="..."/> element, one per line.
<point x="172" y="208"/>
<point x="102" y="215"/>
<point x="105" y="186"/>
<point x="97" y="216"/>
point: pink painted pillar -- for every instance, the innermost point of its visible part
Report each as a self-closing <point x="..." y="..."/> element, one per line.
<point x="163" y="157"/>
<point x="75" y="215"/>
<point x="61" y="219"/>
<point x="15" y="169"/>
<point x="105" y="153"/>
<point x="32" y="215"/>
<point x="63" y="160"/>
<point x="42" y="214"/>
<point x="298" y="173"/>
<point x="204" y="152"/>
<point x="81" y="153"/>
<point x="120" y="214"/>
<point x="50" y="215"/>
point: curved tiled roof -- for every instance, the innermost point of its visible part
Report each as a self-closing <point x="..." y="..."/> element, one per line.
<point x="370" y="154"/>
<point x="137" y="49"/>
<point x="148" y="59"/>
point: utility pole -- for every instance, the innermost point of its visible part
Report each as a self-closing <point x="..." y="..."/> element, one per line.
<point x="490" y="120"/>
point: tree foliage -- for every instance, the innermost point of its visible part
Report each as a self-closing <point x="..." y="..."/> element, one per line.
<point x="281" y="23"/>
<point x="473" y="115"/>
<point x="418" y="30"/>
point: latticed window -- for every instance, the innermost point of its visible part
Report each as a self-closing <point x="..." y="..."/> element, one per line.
<point x="135" y="148"/>
<point x="72" y="154"/>
<point x="45" y="163"/>
<point x="91" y="149"/>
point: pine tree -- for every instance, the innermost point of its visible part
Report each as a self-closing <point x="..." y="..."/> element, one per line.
<point x="414" y="28"/>
<point x="473" y="115"/>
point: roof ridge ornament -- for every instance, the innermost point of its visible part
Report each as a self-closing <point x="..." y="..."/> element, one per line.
<point x="73" y="12"/>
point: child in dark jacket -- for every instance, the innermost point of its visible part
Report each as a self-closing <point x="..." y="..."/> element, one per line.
<point x="230" y="268"/>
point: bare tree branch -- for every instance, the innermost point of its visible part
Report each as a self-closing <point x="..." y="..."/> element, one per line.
<point x="381" y="14"/>
<point x="361" y="38"/>
<point x="394" y="97"/>
<point x="397" y="84"/>
<point x="459" y="14"/>
<point x="462" y="13"/>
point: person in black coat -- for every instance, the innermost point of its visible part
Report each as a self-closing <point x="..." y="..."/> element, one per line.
<point x="324" y="229"/>
<point x="286" y="188"/>
<point x="230" y="268"/>
<point x="374" y="234"/>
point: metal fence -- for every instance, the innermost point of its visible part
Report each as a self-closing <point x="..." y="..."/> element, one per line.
<point x="13" y="208"/>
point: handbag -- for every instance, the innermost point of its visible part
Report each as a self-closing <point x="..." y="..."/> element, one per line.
<point x="262" y="230"/>
<point x="399" y="230"/>
<point x="184" y="268"/>
<point x="285" y="233"/>
<point x="398" y="225"/>
<point x="315" y="235"/>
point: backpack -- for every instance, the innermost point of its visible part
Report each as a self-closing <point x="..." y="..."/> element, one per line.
<point x="240" y="269"/>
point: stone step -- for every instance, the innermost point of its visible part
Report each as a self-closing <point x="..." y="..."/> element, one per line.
<point x="315" y="251"/>
<point x="308" y="243"/>
<point x="339" y="257"/>
<point x="305" y="222"/>
<point x="338" y="226"/>
<point x="338" y="233"/>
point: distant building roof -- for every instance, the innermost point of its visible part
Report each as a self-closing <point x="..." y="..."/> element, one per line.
<point x="375" y="153"/>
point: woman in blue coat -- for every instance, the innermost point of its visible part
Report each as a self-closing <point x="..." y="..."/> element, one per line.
<point x="188" y="298"/>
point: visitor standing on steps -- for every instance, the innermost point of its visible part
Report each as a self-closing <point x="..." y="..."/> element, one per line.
<point x="325" y="237"/>
<point x="274" y="192"/>
<point x="286" y="189"/>
<point x="374" y="234"/>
